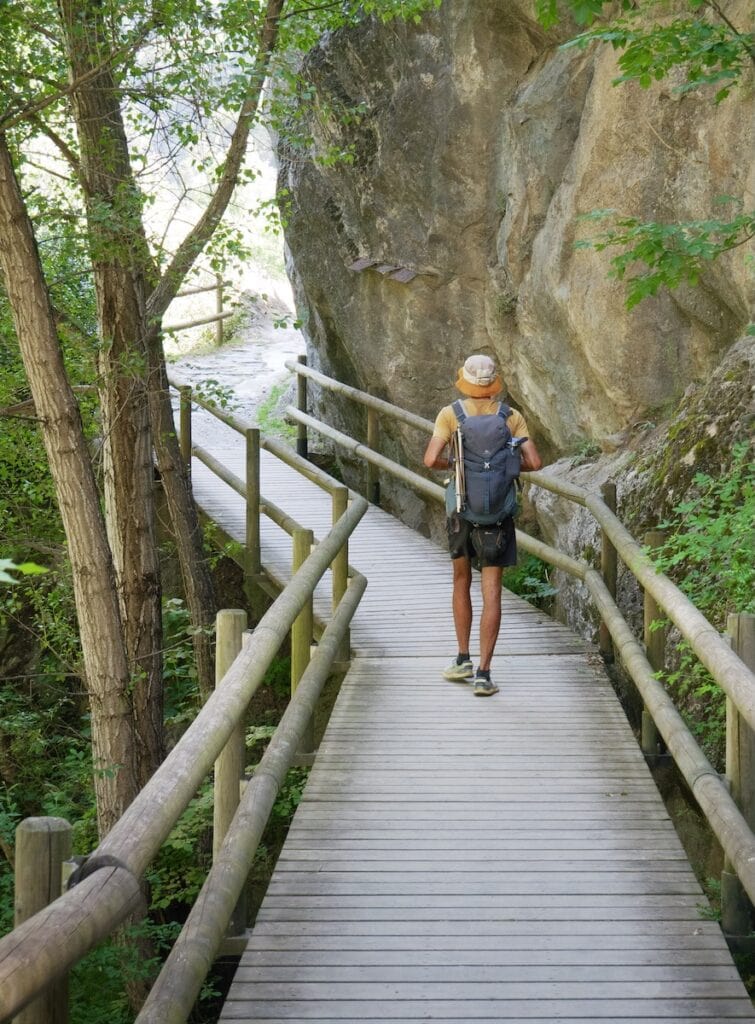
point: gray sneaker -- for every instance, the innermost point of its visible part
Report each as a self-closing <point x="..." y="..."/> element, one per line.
<point x="484" y="687"/>
<point x="459" y="673"/>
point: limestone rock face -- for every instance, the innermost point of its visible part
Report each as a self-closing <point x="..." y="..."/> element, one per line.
<point x="452" y="227"/>
<point x="654" y="472"/>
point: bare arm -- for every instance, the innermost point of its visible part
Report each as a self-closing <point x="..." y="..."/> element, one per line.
<point x="434" y="454"/>
<point x="530" y="456"/>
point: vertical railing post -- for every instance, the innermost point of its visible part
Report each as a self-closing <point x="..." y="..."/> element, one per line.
<point x="184" y="425"/>
<point x="736" y="909"/>
<point x="229" y="767"/>
<point x="373" y="442"/>
<point x="301" y="405"/>
<point x="608" y="567"/>
<point x="340" y="567"/>
<point x="253" y="557"/>
<point x="42" y="845"/>
<point x="219" y="309"/>
<point x="302" y="629"/>
<point x="655" y="646"/>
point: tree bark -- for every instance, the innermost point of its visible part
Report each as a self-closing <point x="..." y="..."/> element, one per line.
<point x="103" y="649"/>
<point x="121" y="263"/>
<point x="187" y="533"/>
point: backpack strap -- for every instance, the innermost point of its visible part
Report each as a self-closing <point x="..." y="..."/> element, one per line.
<point x="459" y="412"/>
<point x="504" y="411"/>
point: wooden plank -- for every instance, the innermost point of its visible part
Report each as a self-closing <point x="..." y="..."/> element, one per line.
<point x="448" y="992"/>
<point x="507" y="1009"/>
<point x="497" y="959"/>
<point x="475" y="974"/>
<point x="504" y="947"/>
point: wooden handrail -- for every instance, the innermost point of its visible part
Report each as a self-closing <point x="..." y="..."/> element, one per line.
<point x="137" y="836"/>
<point x="394" y="411"/>
<point x="108" y="889"/>
<point x="178" y="985"/>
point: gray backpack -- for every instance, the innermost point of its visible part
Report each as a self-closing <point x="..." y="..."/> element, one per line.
<point x="491" y="461"/>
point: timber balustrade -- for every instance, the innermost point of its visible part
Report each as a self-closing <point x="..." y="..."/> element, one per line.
<point x="216" y="318"/>
<point x="107" y="889"/>
<point x="735" y="677"/>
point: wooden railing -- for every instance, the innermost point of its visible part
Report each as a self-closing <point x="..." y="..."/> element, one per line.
<point x="107" y="888"/>
<point x="732" y="674"/>
<point x="217" y="286"/>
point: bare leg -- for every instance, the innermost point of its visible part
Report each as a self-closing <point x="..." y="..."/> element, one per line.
<point x="462" y="602"/>
<point x="490" y="622"/>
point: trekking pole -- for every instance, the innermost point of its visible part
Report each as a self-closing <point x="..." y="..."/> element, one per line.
<point x="458" y="457"/>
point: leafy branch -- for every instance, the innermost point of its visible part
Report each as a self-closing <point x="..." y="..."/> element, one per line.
<point x="673" y="254"/>
<point x="711" y="51"/>
<point x="59" y="90"/>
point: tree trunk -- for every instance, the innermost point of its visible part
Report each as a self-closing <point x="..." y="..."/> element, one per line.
<point x="196" y="576"/>
<point x="121" y="262"/>
<point x="195" y="573"/>
<point x="105" y="663"/>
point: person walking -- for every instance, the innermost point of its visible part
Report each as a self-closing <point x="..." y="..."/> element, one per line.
<point x="492" y="547"/>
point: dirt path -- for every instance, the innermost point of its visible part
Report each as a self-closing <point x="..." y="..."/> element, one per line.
<point x="250" y="365"/>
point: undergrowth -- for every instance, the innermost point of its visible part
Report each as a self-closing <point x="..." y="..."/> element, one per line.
<point x="530" y="579"/>
<point x="710" y="553"/>
<point x="268" y="416"/>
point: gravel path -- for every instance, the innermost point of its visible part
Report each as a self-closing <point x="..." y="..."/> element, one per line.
<point x="249" y="366"/>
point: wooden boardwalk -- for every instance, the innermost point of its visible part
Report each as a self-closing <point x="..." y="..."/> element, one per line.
<point x="465" y="859"/>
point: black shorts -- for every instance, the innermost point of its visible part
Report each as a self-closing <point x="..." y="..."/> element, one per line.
<point x="483" y="545"/>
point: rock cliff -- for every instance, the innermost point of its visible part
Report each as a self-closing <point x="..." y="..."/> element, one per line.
<point x="478" y="144"/>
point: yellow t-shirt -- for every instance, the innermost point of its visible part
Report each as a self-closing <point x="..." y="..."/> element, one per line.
<point x="446" y="422"/>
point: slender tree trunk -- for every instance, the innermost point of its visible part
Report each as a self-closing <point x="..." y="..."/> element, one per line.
<point x="121" y="262"/>
<point x="196" y="576"/>
<point x="195" y="573"/>
<point x="105" y="663"/>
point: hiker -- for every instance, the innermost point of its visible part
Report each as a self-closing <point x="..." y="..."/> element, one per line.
<point x="493" y="546"/>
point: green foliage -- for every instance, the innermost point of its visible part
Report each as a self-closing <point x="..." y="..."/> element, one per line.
<point x="710" y="552"/>
<point x="712" y="539"/>
<point x="268" y="419"/>
<point x="530" y="579"/>
<point x="216" y="394"/>
<point x="181" y="695"/>
<point x="712" y="910"/>
<point x="8" y="566"/>
<point x="709" y="50"/>
<point x="6" y="901"/>
<point x="289" y="797"/>
<point x="179" y="871"/>
<point x="98" y="981"/>
<point x="585" y="452"/>
<point x="673" y="254"/>
<point x="584" y="12"/>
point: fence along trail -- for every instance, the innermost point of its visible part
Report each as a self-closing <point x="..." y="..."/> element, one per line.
<point x="459" y="859"/>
